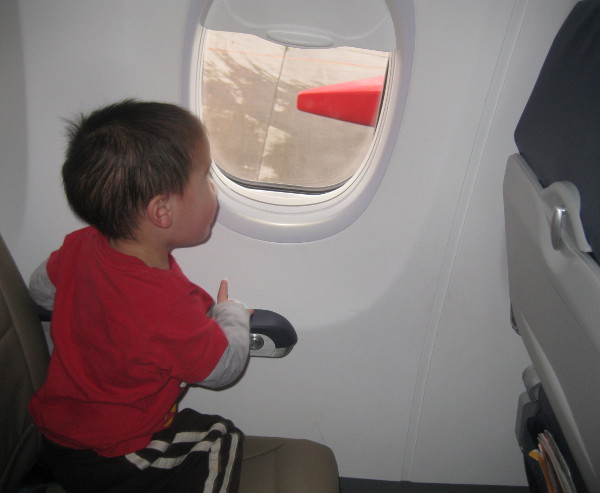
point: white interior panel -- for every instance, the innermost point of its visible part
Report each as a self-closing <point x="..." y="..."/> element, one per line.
<point x="474" y="343"/>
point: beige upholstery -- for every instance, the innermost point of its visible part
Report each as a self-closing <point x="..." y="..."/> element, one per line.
<point x="23" y="362"/>
<point x="280" y="465"/>
<point x="271" y="465"/>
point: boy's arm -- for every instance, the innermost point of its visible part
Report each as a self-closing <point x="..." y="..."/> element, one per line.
<point x="41" y="288"/>
<point x="234" y="319"/>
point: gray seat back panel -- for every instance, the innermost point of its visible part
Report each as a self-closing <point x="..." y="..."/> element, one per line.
<point x="555" y="296"/>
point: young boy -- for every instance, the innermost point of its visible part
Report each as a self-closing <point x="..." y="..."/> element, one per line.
<point x="130" y="331"/>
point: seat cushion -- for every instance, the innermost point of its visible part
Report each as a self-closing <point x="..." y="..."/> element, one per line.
<point x="284" y="465"/>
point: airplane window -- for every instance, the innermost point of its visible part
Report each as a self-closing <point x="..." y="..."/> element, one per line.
<point x="302" y="102"/>
<point x="285" y="118"/>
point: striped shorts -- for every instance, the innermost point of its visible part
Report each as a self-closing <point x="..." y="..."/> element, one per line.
<point x="197" y="453"/>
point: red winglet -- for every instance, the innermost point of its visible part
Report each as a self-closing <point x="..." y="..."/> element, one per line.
<point x="356" y="101"/>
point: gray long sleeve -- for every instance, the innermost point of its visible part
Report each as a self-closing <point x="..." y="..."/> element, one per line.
<point x="234" y="319"/>
<point x="41" y="288"/>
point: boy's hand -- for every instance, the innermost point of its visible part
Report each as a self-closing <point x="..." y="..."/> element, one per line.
<point x="223" y="294"/>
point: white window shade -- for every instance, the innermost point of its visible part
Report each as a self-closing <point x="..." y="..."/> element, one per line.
<point x="308" y="23"/>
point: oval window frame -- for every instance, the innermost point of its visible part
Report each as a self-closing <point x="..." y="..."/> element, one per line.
<point x="284" y="217"/>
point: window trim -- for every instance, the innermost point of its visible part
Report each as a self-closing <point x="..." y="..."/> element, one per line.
<point x="287" y="217"/>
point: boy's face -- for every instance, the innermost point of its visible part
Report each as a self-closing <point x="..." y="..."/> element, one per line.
<point x="197" y="207"/>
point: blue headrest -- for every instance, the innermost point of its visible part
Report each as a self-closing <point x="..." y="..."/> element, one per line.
<point x="559" y="131"/>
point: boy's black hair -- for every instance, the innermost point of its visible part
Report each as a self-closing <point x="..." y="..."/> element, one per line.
<point x="121" y="156"/>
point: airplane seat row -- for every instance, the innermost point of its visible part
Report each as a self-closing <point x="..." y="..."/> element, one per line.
<point x="270" y="465"/>
<point x="552" y="219"/>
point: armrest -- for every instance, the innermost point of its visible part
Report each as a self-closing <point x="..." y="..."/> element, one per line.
<point x="271" y="335"/>
<point x="43" y="314"/>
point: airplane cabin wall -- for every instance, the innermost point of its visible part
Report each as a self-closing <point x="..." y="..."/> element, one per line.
<point x="406" y="364"/>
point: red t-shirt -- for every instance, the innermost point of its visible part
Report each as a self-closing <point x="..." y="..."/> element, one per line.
<point x="125" y="337"/>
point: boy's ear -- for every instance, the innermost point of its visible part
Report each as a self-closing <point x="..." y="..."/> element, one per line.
<point x="159" y="211"/>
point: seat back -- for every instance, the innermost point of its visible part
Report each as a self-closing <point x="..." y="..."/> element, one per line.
<point x="552" y="214"/>
<point x="23" y="363"/>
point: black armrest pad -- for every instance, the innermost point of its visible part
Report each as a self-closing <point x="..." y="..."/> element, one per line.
<point x="274" y="326"/>
<point x="43" y="314"/>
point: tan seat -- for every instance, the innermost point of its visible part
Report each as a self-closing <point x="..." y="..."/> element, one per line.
<point x="271" y="465"/>
<point x="283" y="465"/>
